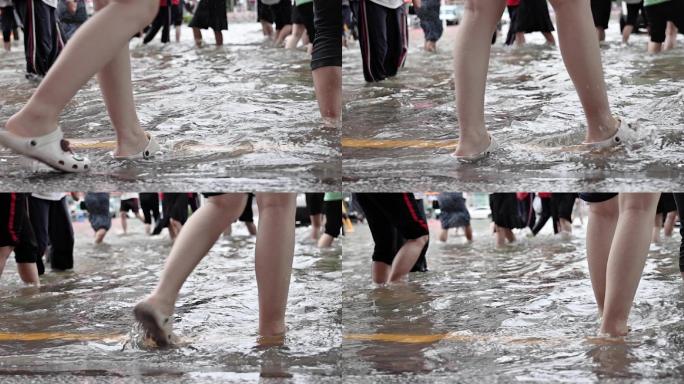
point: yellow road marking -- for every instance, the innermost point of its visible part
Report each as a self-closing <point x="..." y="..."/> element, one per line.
<point x="348" y="142"/>
<point x="62" y="336"/>
<point x="425" y="339"/>
<point x="191" y="146"/>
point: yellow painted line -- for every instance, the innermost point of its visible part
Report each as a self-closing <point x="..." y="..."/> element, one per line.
<point x="390" y="144"/>
<point x="61" y="336"/>
<point x="180" y="146"/>
<point x="457" y="337"/>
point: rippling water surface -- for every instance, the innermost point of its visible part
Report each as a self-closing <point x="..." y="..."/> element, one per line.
<point x="531" y="108"/>
<point x="216" y="316"/>
<point x="521" y="314"/>
<point x="239" y="117"/>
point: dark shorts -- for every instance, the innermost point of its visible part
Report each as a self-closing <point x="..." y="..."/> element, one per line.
<point x="565" y="204"/>
<point x="176" y="206"/>
<point x="149" y="203"/>
<point x="393" y="218"/>
<point x="247" y="215"/>
<point x="304" y="15"/>
<point x="314" y="203"/>
<point x="177" y="14"/>
<point x="658" y="15"/>
<point x="505" y="213"/>
<point x="666" y="204"/>
<point x="633" y="13"/>
<point x="600" y="9"/>
<point x="333" y="217"/>
<point x="280" y="14"/>
<point x="130" y="205"/>
<point x="327" y="43"/>
<point x="595" y="197"/>
<point x="97" y="204"/>
<point x="15" y="227"/>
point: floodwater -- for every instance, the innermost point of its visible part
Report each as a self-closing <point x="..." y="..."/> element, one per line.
<point x="216" y="316"/>
<point x="531" y="108"/>
<point x="526" y="313"/>
<point x="242" y="117"/>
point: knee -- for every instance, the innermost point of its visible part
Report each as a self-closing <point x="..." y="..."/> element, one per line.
<point x="480" y="7"/>
<point x="638" y="203"/>
<point x="276" y="201"/>
<point x="421" y="241"/>
<point x="557" y="4"/>
<point x="144" y="10"/>
<point x="605" y="210"/>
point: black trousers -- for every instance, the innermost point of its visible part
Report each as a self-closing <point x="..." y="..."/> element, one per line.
<point x="52" y="226"/>
<point x="149" y="203"/>
<point x="327" y="43"/>
<point x="679" y="198"/>
<point x="163" y="22"/>
<point x="383" y="38"/>
<point x="333" y="217"/>
<point x="42" y="35"/>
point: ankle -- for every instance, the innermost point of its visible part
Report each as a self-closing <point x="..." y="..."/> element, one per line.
<point x="28" y="123"/>
<point x="272" y="328"/>
<point x="614" y="328"/>
<point x="163" y="304"/>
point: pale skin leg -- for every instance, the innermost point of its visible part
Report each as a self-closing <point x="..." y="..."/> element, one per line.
<point x="627" y="259"/>
<point x="581" y="54"/>
<point x="297" y="32"/>
<point x="519" y="39"/>
<point x="175" y="227"/>
<point x="197" y="34"/>
<point x="325" y="241"/>
<point x="267" y="29"/>
<point x="626" y="33"/>
<point x="328" y="85"/>
<point x="103" y="40"/>
<point x="670" y="221"/>
<point x="274" y="253"/>
<point x="469" y="233"/>
<point x="601" y="33"/>
<point x="550" y="40"/>
<point x="218" y="37"/>
<point x="316" y="222"/>
<point x="657" y="226"/>
<point x="670" y="36"/>
<point x="28" y="272"/>
<point x="4" y="255"/>
<point x="282" y="34"/>
<point x="124" y="222"/>
<point x="380" y="272"/>
<point x="406" y="258"/>
<point x="444" y="235"/>
<point x="100" y="235"/>
<point x="603" y="218"/>
<point x="251" y="228"/>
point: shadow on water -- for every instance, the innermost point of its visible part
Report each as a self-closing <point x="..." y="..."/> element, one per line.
<point x="526" y="313"/>
<point x="531" y="108"/>
<point x="243" y="116"/>
<point x="79" y="324"/>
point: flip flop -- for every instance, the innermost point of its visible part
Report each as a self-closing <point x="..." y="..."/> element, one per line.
<point x="155" y="324"/>
<point x="50" y="149"/>
<point x="149" y="152"/>
<point x="493" y="146"/>
<point x="622" y="136"/>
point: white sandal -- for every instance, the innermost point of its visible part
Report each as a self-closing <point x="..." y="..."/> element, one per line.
<point x="50" y="149"/>
<point x="150" y="150"/>
<point x="156" y="325"/>
<point x="622" y="136"/>
<point x="493" y="146"/>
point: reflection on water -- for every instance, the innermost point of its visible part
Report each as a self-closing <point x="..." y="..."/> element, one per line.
<point x="532" y="109"/>
<point x="243" y="116"/>
<point x="217" y="315"/>
<point x="525" y="313"/>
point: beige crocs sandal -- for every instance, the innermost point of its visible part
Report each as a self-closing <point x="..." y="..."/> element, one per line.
<point x="493" y="146"/>
<point x="51" y="149"/>
<point x="149" y="152"/>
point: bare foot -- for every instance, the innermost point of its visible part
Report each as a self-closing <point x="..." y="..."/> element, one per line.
<point x="604" y="132"/>
<point x="473" y="146"/>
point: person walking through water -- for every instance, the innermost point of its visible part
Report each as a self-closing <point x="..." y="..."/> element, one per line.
<point x="581" y="53"/>
<point x="99" y="47"/>
<point x="273" y="262"/>
<point x="210" y="14"/>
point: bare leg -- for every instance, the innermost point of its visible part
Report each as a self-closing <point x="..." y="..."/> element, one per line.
<point x="274" y="254"/>
<point x="509" y="235"/>
<point x="654" y="47"/>
<point x="627" y="258"/>
<point x="549" y="38"/>
<point x="251" y="228"/>
<point x="316" y="221"/>
<point x="325" y="241"/>
<point x="670" y="221"/>
<point x="218" y="37"/>
<point x="28" y="272"/>
<point x="178" y="34"/>
<point x="657" y="226"/>
<point x="471" y="64"/>
<point x="582" y="57"/>
<point x="601" y="34"/>
<point x="282" y="34"/>
<point x="193" y="243"/>
<point x="175" y="227"/>
<point x="444" y="235"/>
<point x="469" y="233"/>
<point x="380" y="272"/>
<point x="267" y="29"/>
<point x="297" y="32"/>
<point x="406" y="257"/>
<point x="98" y="46"/>
<point x="124" y="222"/>
<point x="197" y="33"/>
<point x="626" y="33"/>
<point x="519" y="39"/>
<point x="328" y="84"/>
<point x="100" y="235"/>
<point x="500" y="236"/>
<point x="670" y="36"/>
<point x="603" y="219"/>
<point x="4" y="255"/>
